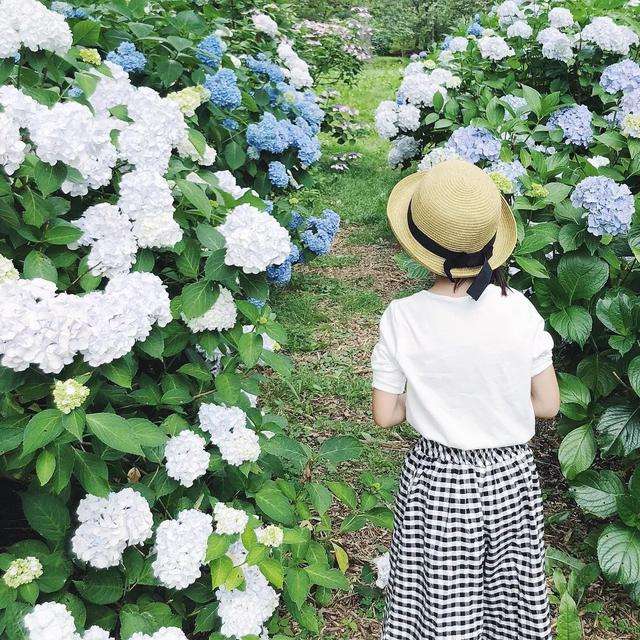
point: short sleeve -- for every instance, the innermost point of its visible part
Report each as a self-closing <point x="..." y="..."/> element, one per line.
<point x="542" y="354"/>
<point x="387" y="374"/>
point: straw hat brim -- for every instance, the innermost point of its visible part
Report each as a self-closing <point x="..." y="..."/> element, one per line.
<point x="397" y="206"/>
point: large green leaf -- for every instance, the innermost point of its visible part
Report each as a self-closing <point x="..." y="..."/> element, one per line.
<point x="582" y="276"/>
<point x="619" y="429"/>
<point x="573" y="324"/>
<point x="597" y="491"/>
<point x="43" y="428"/>
<point x="327" y="577"/>
<point x="275" y="504"/>
<point x="47" y="515"/>
<point x="297" y="584"/>
<point x="198" y="298"/>
<point x="577" y="451"/>
<point x="92" y="473"/>
<point x="114" y="431"/>
<point x="340" y="449"/>
<point x="619" y="554"/>
<point x="101" y="587"/>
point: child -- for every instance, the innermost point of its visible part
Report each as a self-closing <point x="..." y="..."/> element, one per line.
<point x="467" y="548"/>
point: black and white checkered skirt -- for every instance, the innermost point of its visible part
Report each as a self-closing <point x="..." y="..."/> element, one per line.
<point x="467" y="552"/>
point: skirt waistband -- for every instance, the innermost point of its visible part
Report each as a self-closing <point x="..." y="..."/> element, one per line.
<point x="431" y="449"/>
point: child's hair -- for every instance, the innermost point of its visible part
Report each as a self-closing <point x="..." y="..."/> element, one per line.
<point x="499" y="278"/>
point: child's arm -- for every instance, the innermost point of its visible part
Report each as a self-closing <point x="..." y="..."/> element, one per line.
<point x="545" y="395"/>
<point x="388" y="408"/>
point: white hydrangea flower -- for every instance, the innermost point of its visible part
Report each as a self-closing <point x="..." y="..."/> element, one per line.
<point x="436" y="156"/>
<point x="96" y="633"/>
<point x="190" y="98"/>
<point x="598" y="161"/>
<point x="164" y="633"/>
<point x="244" y="612"/>
<point x="237" y="553"/>
<point x="386" y="118"/>
<point x="270" y="535"/>
<point x="8" y="272"/>
<point x="50" y="621"/>
<point x="20" y="107"/>
<point x="296" y="69"/>
<point x="420" y="89"/>
<point x="458" y="44"/>
<point x="519" y="29"/>
<point x="109" y="525"/>
<point x="559" y="17"/>
<point x="180" y="548"/>
<point x="241" y="445"/>
<point x="69" y="395"/>
<point x="186" y="457"/>
<point x="494" y="48"/>
<point x="609" y="36"/>
<point x="555" y="45"/>
<point x="264" y="23"/>
<point x="111" y="91"/>
<point x="507" y="8"/>
<point x="408" y="117"/>
<point x="219" y="421"/>
<point x="254" y="239"/>
<point x="227" y="182"/>
<point x="12" y="149"/>
<point x="229" y="520"/>
<point x="383" y="566"/>
<point x="186" y="150"/>
<point x="221" y="316"/>
<point x="22" y="571"/>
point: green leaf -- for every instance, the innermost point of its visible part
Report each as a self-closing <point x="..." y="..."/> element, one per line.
<point x="36" y="210"/>
<point x="532" y="266"/>
<point x="101" y="587"/>
<point x="188" y="262"/>
<point x="619" y="554"/>
<point x="568" y="625"/>
<point x="344" y="492"/>
<point x="320" y="496"/>
<point x="340" y="449"/>
<point x="113" y="431"/>
<point x="234" y="155"/>
<point x="37" y="265"/>
<point x="619" y="429"/>
<point x="272" y="570"/>
<point x="198" y="298"/>
<point x="216" y="269"/>
<point x="571" y="236"/>
<point x="582" y="276"/>
<point x="538" y="237"/>
<point x="326" y="577"/>
<point x="196" y="196"/>
<point x="209" y="237"/>
<point x="92" y="473"/>
<point x="573" y="324"/>
<point x="47" y="515"/>
<point x="61" y="232"/>
<point x="146" y="433"/>
<point x="250" y="348"/>
<point x="577" y="451"/>
<point x="42" y="429"/>
<point x="297" y="585"/>
<point x="86" y="33"/>
<point x="634" y="374"/>
<point x="154" y="344"/>
<point x="206" y="618"/>
<point x="534" y="101"/>
<point x="220" y="568"/>
<point x="573" y="390"/>
<point x="49" y="178"/>
<point x="45" y="466"/>
<point x="121" y="371"/>
<point x="217" y="546"/>
<point x="275" y="504"/>
<point x="596" y="492"/>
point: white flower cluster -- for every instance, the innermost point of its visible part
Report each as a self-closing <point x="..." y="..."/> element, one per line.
<point x="436" y="156"/>
<point x="519" y="29"/>
<point x="270" y="535"/>
<point x="229" y="520"/>
<point x="383" y="566"/>
<point x="458" y="44"/>
<point x="186" y="457"/>
<point x="228" y="183"/>
<point x="180" y="548"/>
<point x="69" y="395"/>
<point x="254" y="239"/>
<point x="7" y="271"/>
<point x="559" y="17"/>
<point x="264" y="23"/>
<point x="555" y="44"/>
<point x="221" y="316"/>
<point x="22" y="571"/>
<point x="244" y="612"/>
<point x="296" y="69"/>
<point x="494" y="48"/>
<point x="163" y="633"/>
<point x="40" y="326"/>
<point x="12" y="148"/>
<point x="28" y="23"/>
<point x="392" y="117"/>
<point x="609" y="36"/>
<point x="109" y="525"/>
<point x="227" y="426"/>
<point x="419" y="88"/>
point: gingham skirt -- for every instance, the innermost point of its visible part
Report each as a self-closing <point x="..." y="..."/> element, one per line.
<point x="467" y="552"/>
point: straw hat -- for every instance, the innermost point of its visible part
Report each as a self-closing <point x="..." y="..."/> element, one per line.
<point x="455" y="210"/>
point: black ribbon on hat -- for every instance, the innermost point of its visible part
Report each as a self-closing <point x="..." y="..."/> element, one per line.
<point x="458" y="259"/>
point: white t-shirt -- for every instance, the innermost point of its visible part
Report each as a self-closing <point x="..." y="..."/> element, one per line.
<point x="467" y="365"/>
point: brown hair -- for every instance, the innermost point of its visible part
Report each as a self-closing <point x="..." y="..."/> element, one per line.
<point x="498" y="277"/>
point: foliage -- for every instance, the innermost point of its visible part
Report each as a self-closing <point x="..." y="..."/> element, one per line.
<point x="147" y="330"/>
<point x="511" y="106"/>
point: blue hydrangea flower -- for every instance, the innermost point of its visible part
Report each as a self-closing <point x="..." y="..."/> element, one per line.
<point x="75" y="92"/>
<point x="280" y="274"/>
<point x="256" y="302"/>
<point x="210" y="51"/>
<point x="609" y="205"/>
<point x="309" y="109"/>
<point x="296" y="220"/>
<point x="511" y="170"/>
<point x="68" y="10"/>
<point x="331" y="221"/>
<point x="261" y="65"/>
<point x="475" y="29"/>
<point x="128" y="57"/>
<point x="268" y="134"/>
<point x="223" y="87"/>
<point x="278" y="174"/>
<point x="621" y="76"/>
<point x="575" y="123"/>
<point x="320" y="232"/>
<point x="268" y="206"/>
<point x="474" y="144"/>
<point x="445" y="43"/>
<point x="423" y="54"/>
<point x="230" y="124"/>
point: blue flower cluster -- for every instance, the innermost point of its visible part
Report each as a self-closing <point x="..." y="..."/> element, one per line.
<point x="276" y="136"/>
<point x="474" y="144"/>
<point x="511" y="170"/>
<point x="75" y="92"/>
<point x="475" y="29"/>
<point x="621" y="76"/>
<point x="67" y="10"/>
<point x="230" y="124"/>
<point x="128" y="57"/>
<point x="278" y="174"/>
<point x="446" y="42"/>
<point x="320" y="232"/>
<point x="296" y="220"/>
<point x="223" y="87"/>
<point x="210" y="51"/>
<point x="575" y="123"/>
<point x="609" y="205"/>
<point x="297" y="103"/>
<point x="280" y="274"/>
<point x="256" y="302"/>
<point x="261" y="65"/>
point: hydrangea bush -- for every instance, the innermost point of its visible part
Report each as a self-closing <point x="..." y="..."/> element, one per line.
<point x="546" y="99"/>
<point x="136" y="258"/>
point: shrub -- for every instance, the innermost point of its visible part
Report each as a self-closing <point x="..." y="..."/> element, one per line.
<point x="546" y="101"/>
<point x="135" y="327"/>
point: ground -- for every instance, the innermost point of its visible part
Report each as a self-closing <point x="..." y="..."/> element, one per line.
<point x="331" y="312"/>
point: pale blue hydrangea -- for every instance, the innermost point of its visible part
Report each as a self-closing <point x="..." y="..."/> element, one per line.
<point x="575" y="123"/>
<point x="446" y="42"/>
<point x="474" y="144"/>
<point x="422" y="55"/>
<point x="621" y="76"/>
<point x="261" y="65"/>
<point x="268" y="206"/>
<point x="230" y="124"/>
<point x="278" y="174"/>
<point x="75" y="92"/>
<point x="516" y="103"/>
<point x="210" y="51"/>
<point x="256" y="302"/>
<point x="475" y="29"/>
<point x="268" y="134"/>
<point x="128" y="57"/>
<point x="320" y="232"/>
<point x="511" y="170"/>
<point x="629" y="103"/>
<point x="296" y="220"/>
<point x="252" y="153"/>
<point x="223" y="87"/>
<point x="280" y="274"/>
<point x="68" y="10"/>
<point x="609" y="205"/>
